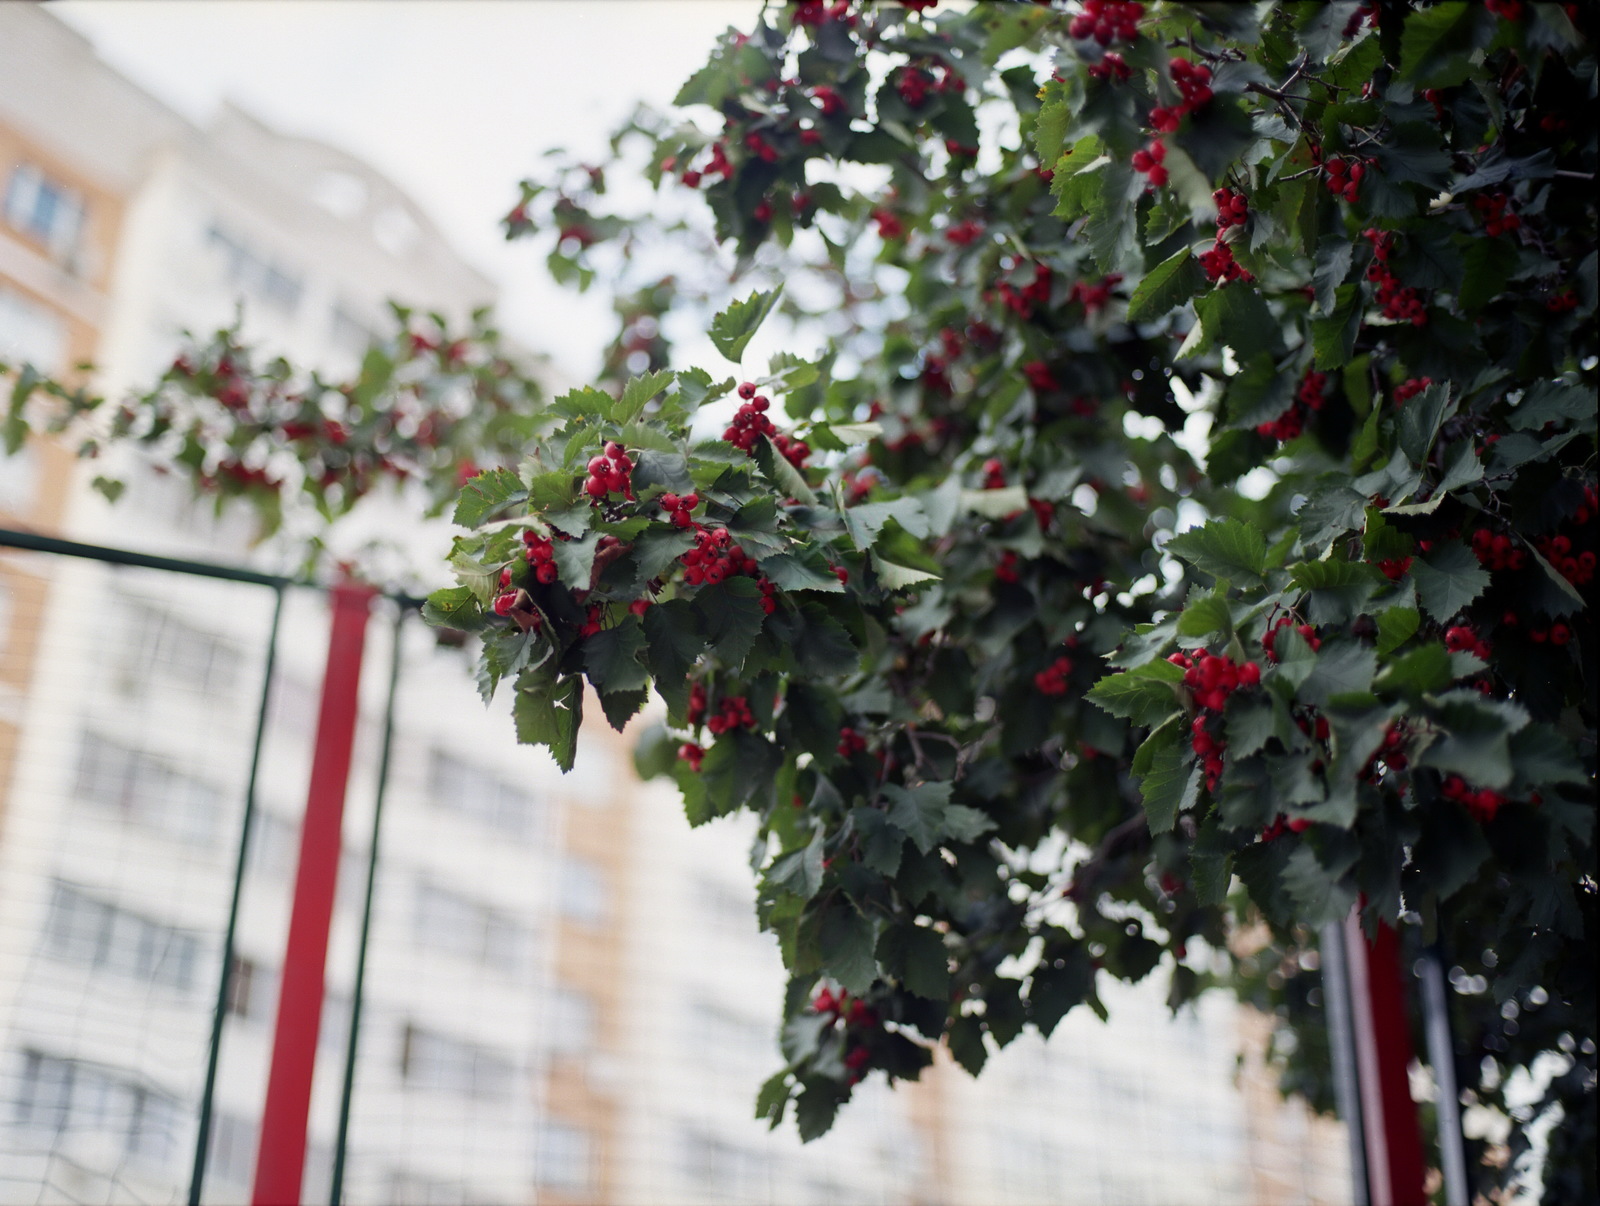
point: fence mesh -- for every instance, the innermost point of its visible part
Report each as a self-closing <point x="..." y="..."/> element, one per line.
<point x="566" y="997"/>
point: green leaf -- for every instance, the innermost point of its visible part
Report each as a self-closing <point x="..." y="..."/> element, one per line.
<point x="919" y="811"/>
<point x="672" y="629"/>
<point x="1054" y="991"/>
<point x="866" y="520"/>
<point x="790" y="482"/>
<point x="1396" y="625"/>
<point x="1170" y="283"/>
<point x="1322" y="893"/>
<point x="1448" y="579"/>
<point x="454" y="607"/>
<point x="846" y="940"/>
<point x="1237" y="316"/>
<point x="485" y="494"/>
<point x="638" y="392"/>
<point x="1342" y="668"/>
<point x="1257" y="393"/>
<point x="1420" y="420"/>
<point x="1421" y="671"/>
<point x="732" y="329"/>
<point x="1168" y="785"/>
<point x="1437" y="45"/>
<point x="814" y="1111"/>
<point x="966" y="824"/>
<point x="731" y="617"/>
<point x="1146" y="695"/>
<point x="917" y="955"/>
<point x="574" y="559"/>
<point x="773" y="1099"/>
<point x="1333" y="339"/>
<point x="550" y="715"/>
<point x="1224" y="548"/>
<point x="1333" y="266"/>
<point x="823" y="648"/>
<point x="1542" y="755"/>
<point x="898" y="577"/>
<point x="611" y="657"/>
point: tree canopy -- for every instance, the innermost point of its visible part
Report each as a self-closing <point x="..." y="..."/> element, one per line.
<point x="1188" y="518"/>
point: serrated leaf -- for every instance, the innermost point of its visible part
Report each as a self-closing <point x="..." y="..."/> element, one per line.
<point x="773" y="1099"/>
<point x="731" y="330"/>
<point x="638" y="392"/>
<point x="485" y="494"/>
<point x="1396" y="625"/>
<point x="1145" y="695"/>
<point x="550" y="715"/>
<point x="1223" y="548"/>
<point x="612" y="657"/>
<point x="453" y="607"/>
<point x="730" y="617"/>
<point x="1341" y="668"/>
<point x="855" y="433"/>
<point x="898" y="577"/>
<point x="789" y="480"/>
<point x="866" y="520"/>
<point x="1169" y="284"/>
<point x="1165" y="778"/>
<point x="1448" y="579"/>
<point x="919" y="812"/>
<point x="847" y="941"/>
<point x="574" y="559"/>
<point x="1420" y="420"/>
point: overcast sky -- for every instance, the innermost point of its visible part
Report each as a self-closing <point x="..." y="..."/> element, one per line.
<point x="454" y="100"/>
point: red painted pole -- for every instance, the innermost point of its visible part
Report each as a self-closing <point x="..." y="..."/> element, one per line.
<point x="281" y="1157"/>
<point x="1395" y="1167"/>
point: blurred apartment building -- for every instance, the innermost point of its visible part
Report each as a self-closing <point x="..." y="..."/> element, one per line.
<point x="567" y="998"/>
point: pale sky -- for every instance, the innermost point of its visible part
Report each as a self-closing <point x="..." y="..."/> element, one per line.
<point x="454" y="100"/>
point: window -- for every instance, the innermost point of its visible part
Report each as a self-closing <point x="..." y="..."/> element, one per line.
<point x="161" y="645"/>
<point x="564" y="1157"/>
<point x="411" y="1189"/>
<point x="83" y="929"/>
<point x="583" y="891"/>
<point x="46" y="210"/>
<point x="429" y="1060"/>
<point x="472" y="791"/>
<point x="458" y="925"/>
<point x="61" y="1096"/>
<point x="231" y="1155"/>
<point x="31" y="333"/>
<point x="146" y="790"/>
<point x="246" y="269"/>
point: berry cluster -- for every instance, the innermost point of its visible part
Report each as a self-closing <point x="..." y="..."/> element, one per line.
<point x="539" y="552"/>
<point x="680" y="508"/>
<point x="1094" y="297"/>
<point x="1390" y="756"/>
<point x="1497" y="220"/>
<point x="1007" y="570"/>
<point x="1562" y="303"/>
<point x="913" y="84"/>
<point x="994" y="474"/>
<point x="1343" y="176"/>
<point x="1107" y="21"/>
<point x="1221" y="267"/>
<point x="591" y="621"/>
<point x="732" y="713"/>
<point x="1482" y="804"/>
<point x="1576" y="568"/>
<point x="1269" y="638"/>
<point x="1040" y="377"/>
<point x="1309" y="397"/>
<point x="851" y="742"/>
<point x="1410" y="388"/>
<point x="1022" y="301"/>
<point x="1193" y="81"/>
<point x="1112" y="66"/>
<point x="1281" y="825"/>
<point x="1213" y="678"/>
<point x="608" y="473"/>
<point x="815" y="13"/>
<point x="1400" y="302"/>
<point x="1053" y="679"/>
<point x="853" y="1014"/>
<point x="1506" y="10"/>
<point x="828" y="100"/>
<point x="751" y="422"/>
<point x="965" y="233"/>
<point x="889" y="225"/>
<point x="1151" y="162"/>
<point x="1463" y="639"/>
<point x="714" y="558"/>
<point x="692" y="754"/>
<point x="1496" y="551"/>
<point x="1557" y="634"/>
<point x="1233" y="209"/>
<point x="1394" y="568"/>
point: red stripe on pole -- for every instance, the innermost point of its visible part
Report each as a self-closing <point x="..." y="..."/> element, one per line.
<point x="1395" y="1167"/>
<point x="281" y="1157"/>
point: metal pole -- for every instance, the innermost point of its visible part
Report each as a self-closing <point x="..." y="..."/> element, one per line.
<point x="225" y="981"/>
<point x="336" y="1192"/>
<point x="1395" y="1167"/>
<point x="1442" y="1055"/>
<point x="281" y="1154"/>
<point x="1341" y="1041"/>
